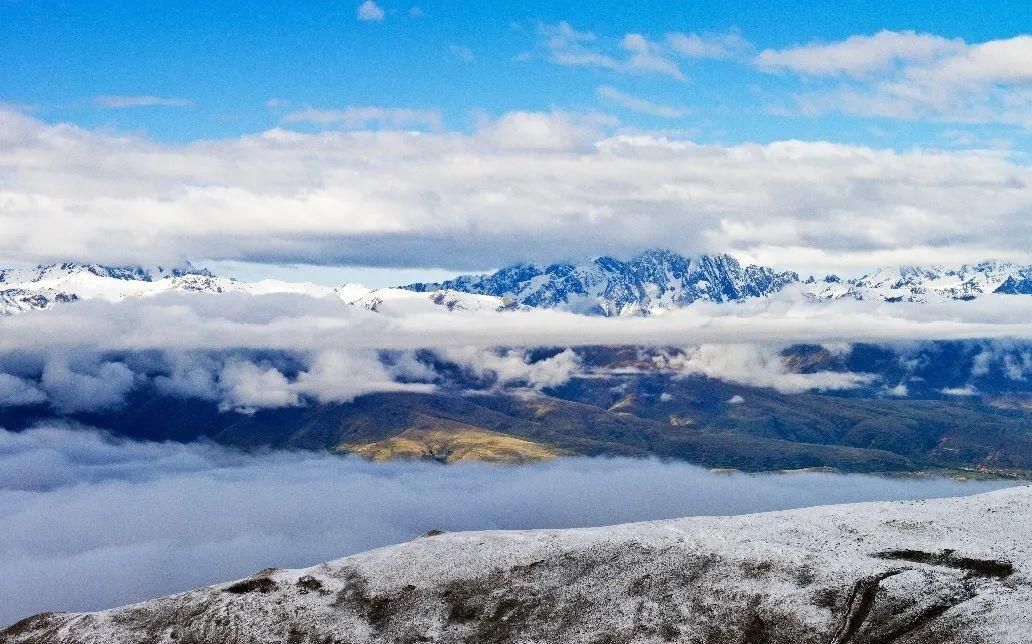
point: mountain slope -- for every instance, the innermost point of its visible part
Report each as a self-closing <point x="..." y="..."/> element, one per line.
<point x="951" y="571"/>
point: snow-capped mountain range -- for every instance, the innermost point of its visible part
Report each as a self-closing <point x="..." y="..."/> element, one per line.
<point x="651" y="283"/>
<point x="657" y="281"/>
<point x="43" y="287"/>
<point x="917" y="284"/>
<point x="952" y="571"/>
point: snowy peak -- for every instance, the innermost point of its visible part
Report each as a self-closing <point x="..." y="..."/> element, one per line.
<point x="56" y="273"/>
<point x="925" y="284"/>
<point x="652" y="282"/>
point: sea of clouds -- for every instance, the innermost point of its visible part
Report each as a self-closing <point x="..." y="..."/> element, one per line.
<point x="88" y="521"/>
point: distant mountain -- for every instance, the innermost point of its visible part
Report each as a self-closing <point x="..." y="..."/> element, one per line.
<point x="42" y="287"/>
<point x="951" y="571"/>
<point x="916" y="284"/>
<point x="655" y="281"/>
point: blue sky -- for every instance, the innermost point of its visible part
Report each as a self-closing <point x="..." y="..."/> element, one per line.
<point x="257" y="136"/>
<point x="222" y="62"/>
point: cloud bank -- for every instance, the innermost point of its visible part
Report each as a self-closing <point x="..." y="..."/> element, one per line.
<point x="88" y="522"/>
<point x="527" y="186"/>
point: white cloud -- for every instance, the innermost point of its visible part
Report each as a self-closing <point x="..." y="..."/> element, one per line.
<point x="915" y="76"/>
<point x="184" y="322"/>
<point x="759" y="365"/>
<point x="369" y="11"/>
<point x="362" y="117"/>
<point x="544" y="132"/>
<point x="87" y="386"/>
<point x="514" y="367"/>
<point x="860" y="56"/>
<point x="966" y="390"/>
<point x="527" y="186"/>
<point x="118" y="102"/>
<point x="633" y="53"/>
<point x="636" y="104"/>
<point x="250" y="386"/>
<point x="713" y="46"/>
<point x="736" y="400"/>
<point x="898" y="391"/>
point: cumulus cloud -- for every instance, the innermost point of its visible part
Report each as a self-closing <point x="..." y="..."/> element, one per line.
<point x="913" y="75"/>
<point x="525" y="187"/>
<point x="759" y="365"/>
<point x="86" y="385"/>
<point x="369" y="11"/>
<point x="514" y="367"/>
<point x="89" y="522"/>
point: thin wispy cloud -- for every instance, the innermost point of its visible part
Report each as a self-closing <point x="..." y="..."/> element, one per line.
<point x="909" y="75"/>
<point x="367" y="116"/>
<point x="636" y="52"/>
<point x="716" y="46"/>
<point x="636" y="104"/>
<point x="118" y="102"/>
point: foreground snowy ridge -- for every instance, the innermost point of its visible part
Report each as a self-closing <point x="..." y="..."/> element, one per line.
<point x="945" y="571"/>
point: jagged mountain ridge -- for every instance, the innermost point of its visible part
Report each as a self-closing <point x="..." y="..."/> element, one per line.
<point x="952" y="571"/>
<point x="653" y="281"/>
<point x="924" y="284"/>
<point x="659" y="280"/>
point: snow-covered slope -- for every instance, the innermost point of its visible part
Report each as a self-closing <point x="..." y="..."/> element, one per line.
<point x="948" y="571"/>
<point x="916" y="284"/>
<point x="398" y="301"/>
<point x="652" y="282"/>
<point x="44" y="286"/>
